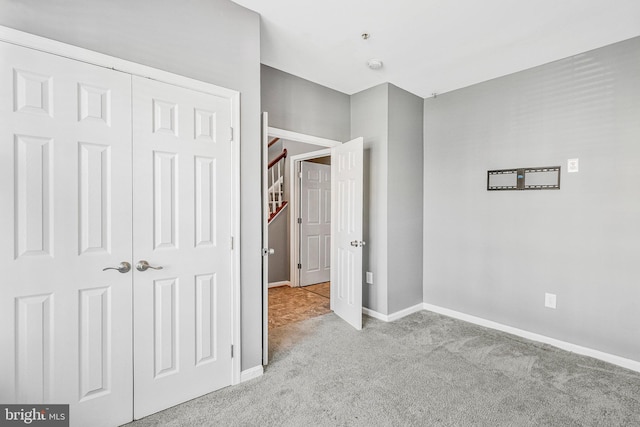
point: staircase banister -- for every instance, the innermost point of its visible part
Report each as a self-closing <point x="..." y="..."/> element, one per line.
<point x="273" y="141"/>
<point x="275" y="161"/>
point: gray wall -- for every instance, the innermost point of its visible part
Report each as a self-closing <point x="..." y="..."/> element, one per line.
<point x="404" y="200"/>
<point x="215" y="41"/>
<point x="495" y="254"/>
<point x="279" y="242"/>
<point x="369" y="119"/>
<point x="302" y="106"/>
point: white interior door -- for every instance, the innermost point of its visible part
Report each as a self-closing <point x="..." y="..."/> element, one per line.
<point x="65" y="184"/>
<point x="315" y="226"/>
<point x="182" y="223"/>
<point x="346" y="231"/>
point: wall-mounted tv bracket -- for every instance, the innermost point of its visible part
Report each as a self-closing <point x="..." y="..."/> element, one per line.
<point x="540" y="178"/>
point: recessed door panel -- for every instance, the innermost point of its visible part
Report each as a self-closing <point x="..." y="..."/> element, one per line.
<point x="33" y="195"/>
<point x="32" y="92"/>
<point x="94" y="197"/>
<point x="205" y="201"/>
<point x="206" y="330"/>
<point x="94" y="104"/>
<point x="95" y="342"/>
<point x="165" y="200"/>
<point x="34" y="337"/>
<point x="165" y="326"/>
<point x="205" y="125"/>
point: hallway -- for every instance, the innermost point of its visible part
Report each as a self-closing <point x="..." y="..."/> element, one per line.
<point x="290" y="305"/>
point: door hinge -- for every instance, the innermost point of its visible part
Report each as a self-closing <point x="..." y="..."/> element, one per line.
<point x="300" y="175"/>
<point x="299" y="266"/>
<point x="232" y="351"/>
<point x="231" y="134"/>
<point x="299" y="220"/>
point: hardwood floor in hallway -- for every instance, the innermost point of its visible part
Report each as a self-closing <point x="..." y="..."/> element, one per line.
<point x="289" y="305"/>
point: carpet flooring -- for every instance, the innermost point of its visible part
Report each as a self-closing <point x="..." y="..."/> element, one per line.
<point x="422" y="370"/>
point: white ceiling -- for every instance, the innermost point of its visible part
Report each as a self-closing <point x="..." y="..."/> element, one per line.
<point x="432" y="46"/>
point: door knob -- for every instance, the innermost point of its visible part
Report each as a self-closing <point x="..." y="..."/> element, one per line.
<point x="358" y="243"/>
<point x="143" y="265"/>
<point x="123" y="267"/>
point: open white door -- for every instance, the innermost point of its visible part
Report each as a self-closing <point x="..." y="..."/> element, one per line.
<point x="346" y="231"/>
<point x="265" y="240"/>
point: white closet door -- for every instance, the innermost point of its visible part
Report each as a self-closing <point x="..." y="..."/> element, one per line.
<point x="65" y="184"/>
<point x="182" y="223"/>
<point x="315" y="229"/>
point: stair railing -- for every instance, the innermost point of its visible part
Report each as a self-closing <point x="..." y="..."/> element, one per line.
<point x="275" y="183"/>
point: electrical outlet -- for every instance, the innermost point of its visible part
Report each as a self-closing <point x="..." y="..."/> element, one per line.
<point x="573" y="165"/>
<point x="550" y="300"/>
<point x="369" y="277"/>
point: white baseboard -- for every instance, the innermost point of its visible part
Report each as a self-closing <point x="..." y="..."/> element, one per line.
<point x="596" y="354"/>
<point x="375" y="314"/>
<point x="282" y="283"/>
<point x="393" y="316"/>
<point x="251" y="373"/>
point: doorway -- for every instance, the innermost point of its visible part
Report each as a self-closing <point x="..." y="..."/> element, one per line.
<point x="346" y="231"/>
<point x="314" y="221"/>
<point x="299" y="147"/>
<point x="308" y="295"/>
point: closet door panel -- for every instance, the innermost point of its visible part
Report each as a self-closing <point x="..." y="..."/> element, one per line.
<point x="182" y="223"/>
<point x="65" y="181"/>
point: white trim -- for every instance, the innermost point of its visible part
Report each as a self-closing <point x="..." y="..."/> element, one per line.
<point x="264" y="262"/>
<point x="294" y="231"/>
<point x="596" y="354"/>
<point x="405" y="312"/>
<point x="393" y="316"/>
<point x="236" y="337"/>
<point x="20" y="38"/>
<point x="281" y="283"/>
<point x="300" y="137"/>
<point x="375" y="314"/>
<point x="251" y="373"/>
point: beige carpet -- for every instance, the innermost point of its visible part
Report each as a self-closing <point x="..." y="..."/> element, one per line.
<point x="422" y="370"/>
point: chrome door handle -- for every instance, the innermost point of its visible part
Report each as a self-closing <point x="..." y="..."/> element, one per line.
<point x="358" y="243"/>
<point x="143" y="265"/>
<point x="123" y="267"/>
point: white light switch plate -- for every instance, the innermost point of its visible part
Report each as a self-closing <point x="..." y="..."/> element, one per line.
<point x="550" y="300"/>
<point x="573" y="165"/>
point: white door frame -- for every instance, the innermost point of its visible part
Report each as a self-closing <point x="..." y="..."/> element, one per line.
<point x="31" y="41"/>
<point x="294" y="165"/>
<point x="294" y="195"/>
<point x="273" y="132"/>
